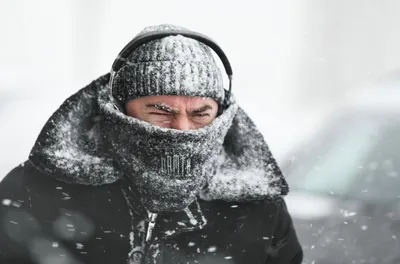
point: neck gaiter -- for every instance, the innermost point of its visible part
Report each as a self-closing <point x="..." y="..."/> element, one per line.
<point x="168" y="167"/>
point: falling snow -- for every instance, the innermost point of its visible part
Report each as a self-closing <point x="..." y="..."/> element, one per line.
<point x="170" y="232"/>
<point x="348" y="214"/>
<point x="6" y="202"/>
<point x="212" y="249"/>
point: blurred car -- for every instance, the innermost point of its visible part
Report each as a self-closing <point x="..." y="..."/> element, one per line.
<point x="345" y="183"/>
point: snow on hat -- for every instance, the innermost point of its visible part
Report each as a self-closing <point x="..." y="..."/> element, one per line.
<point x="174" y="65"/>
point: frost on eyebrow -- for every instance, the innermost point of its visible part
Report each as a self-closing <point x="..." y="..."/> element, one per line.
<point x="166" y="108"/>
<point x="202" y="109"/>
<point x="162" y="107"/>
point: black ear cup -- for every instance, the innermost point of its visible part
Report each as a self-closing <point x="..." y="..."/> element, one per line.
<point x="220" y="109"/>
<point x="225" y="103"/>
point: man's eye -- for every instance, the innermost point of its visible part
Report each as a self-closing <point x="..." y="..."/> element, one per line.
<point x="160" y="114"/>
<point x="203" y="115"/>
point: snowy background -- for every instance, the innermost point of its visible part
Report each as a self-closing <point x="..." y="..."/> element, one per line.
<point x="293" y="61"/>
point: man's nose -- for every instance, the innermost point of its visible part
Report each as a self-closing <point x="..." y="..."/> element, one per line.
<point x="180" y="122"/>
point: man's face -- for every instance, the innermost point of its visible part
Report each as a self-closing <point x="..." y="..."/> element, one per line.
<point x="176" y="112"/>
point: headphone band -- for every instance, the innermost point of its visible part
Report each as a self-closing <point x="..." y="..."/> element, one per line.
<point x="150" y="36"/>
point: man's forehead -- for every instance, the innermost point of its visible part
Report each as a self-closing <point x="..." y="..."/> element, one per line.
<point x="178" y="100"/>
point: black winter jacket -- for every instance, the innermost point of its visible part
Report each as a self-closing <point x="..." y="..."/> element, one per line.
<point x="56" y="208"/>
<point x="47" y="221"/>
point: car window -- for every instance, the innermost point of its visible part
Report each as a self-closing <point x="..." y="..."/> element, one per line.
<point x="378" y="179"/>
<point x="356" y="155"/>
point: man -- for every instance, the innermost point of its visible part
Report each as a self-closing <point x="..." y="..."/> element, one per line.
<point x="153" y="163"/>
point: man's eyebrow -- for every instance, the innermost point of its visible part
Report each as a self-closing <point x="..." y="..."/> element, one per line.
<point x="162" y="107"/>
<point x="202" y="109"/>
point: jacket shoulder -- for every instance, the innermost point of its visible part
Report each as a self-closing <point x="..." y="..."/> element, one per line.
<point x="13" y="176"/>
<point x="15" y="224"/>
<point x="36" y="208"/>
<point x="24" y="180"/>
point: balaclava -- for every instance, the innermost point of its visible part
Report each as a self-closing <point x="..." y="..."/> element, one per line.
<point x="168" y="167"/>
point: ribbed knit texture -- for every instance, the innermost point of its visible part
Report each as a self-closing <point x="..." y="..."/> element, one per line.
<point x="169" y="167"/>
<point x="173" y="65"/>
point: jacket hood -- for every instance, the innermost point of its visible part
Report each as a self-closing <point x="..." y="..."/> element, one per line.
<point x="72" y="148"/>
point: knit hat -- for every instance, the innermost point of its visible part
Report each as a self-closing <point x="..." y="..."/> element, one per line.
<point x="174" y="65"/>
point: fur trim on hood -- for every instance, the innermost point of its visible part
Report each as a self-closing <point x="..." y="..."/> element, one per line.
<point x="72" y="148"/>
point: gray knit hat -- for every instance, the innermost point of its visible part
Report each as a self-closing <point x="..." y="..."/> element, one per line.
<point x="173" y="65"/>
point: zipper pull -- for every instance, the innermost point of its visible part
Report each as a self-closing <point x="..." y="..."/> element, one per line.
<point x="150" y="227"/>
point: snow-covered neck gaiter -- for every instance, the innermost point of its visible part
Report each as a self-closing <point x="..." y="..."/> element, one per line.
<point x="168" y="167"/>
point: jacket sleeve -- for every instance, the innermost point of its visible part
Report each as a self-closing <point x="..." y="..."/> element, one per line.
<point x="285" y="248"/>
<point x="16" y="224"/>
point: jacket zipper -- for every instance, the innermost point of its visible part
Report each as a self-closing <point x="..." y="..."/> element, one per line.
<point x="150" y="226"/>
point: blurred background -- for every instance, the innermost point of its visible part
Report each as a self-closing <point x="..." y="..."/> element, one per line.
<point x="303" y="70"/>
<point x="293" y="60"/>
